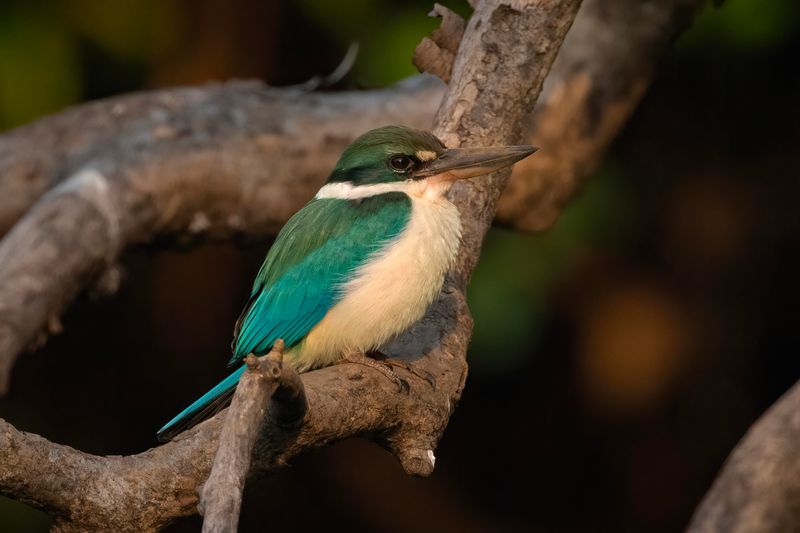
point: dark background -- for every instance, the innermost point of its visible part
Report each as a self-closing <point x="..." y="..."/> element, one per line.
<point x="617" y="358"/>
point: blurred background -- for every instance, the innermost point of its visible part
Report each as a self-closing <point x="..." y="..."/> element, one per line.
<point x="617" y="358"/>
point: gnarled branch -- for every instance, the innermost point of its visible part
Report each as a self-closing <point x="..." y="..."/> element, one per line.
<point x="216" y="162"/>
<point x="269" y="134"/>
<point x="245" y="145"/>
<point x="759" y="486"/>
<point x="601" y="73"/>
<point x="507" y="50"/>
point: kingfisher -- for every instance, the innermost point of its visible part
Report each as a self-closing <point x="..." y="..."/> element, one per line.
<point x="358" y="264"/>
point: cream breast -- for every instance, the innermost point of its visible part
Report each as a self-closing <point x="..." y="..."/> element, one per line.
<point x="394" y="289"/>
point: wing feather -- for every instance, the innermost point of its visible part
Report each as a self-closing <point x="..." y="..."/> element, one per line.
<point x="318" y="250"/>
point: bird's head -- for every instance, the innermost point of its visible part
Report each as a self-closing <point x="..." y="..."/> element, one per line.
<point x="397" y="154"/>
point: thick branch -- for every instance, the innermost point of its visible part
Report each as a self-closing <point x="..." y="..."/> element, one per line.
<point x="501" y="41"/>
<point x="607" y="62"/>
<point x="213" y="162"/>
<point x="273" y="130"/>
<point x="234" y="143"/>
<point x="144" y="492"/>
<point x="506" y="51"/>
<point x="601" y="72"/>
<point x="265" y="382"/>
<point x="759" y="486"/>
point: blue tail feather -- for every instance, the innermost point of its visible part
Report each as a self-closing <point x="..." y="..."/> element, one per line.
<point x="206" y="406"/>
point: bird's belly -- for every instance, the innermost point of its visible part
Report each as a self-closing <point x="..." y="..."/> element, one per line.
<point x="389" y="292"/>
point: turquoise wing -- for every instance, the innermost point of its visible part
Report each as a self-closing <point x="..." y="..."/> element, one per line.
<point x="314" y="254"/>
<point x="318" y="249"/>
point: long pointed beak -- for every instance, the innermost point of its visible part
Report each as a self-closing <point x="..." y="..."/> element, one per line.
<point x="461" y="163"/>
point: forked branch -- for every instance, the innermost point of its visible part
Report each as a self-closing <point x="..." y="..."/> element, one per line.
<point x="504" y="56"/>
<point x="237" y="159"/>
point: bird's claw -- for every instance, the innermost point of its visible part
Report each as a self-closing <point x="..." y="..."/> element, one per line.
<point x="383" y="367"/>
<point x="397" y="363"/>
<point x="422" y="374"/>
<point x="402" y="385"/>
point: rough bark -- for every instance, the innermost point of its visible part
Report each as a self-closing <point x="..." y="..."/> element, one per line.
<point x="485" y="85"/>
<point x="242" y="140"/>
<point x="758" y="488"/>
<point x="217" y="162"/>
<point x="507" y="50"/>
<point x="268" y="133"/>
<point x="146" y="491"/>
<point x="268" y="393"/>
<point x="607" y="62"/>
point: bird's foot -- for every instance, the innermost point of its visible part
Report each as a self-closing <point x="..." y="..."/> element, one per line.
<point x="360" y="358"/>
<point x="399" y="363"/>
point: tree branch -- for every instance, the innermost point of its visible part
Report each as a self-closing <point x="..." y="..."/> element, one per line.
<point x="758" y="488"/>
<point x="145" y="492"/>
<point x="485" y="85"/>
<point x="601" y="73"/>
<point x="507" y="49"/>
<point x="273" y="130"/>
<point x="265" y="383"/>
<point x="240" y="145"/>
<point x="188" y="164"/>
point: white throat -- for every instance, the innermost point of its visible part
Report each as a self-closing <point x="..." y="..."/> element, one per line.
<point x="431" y="189"/>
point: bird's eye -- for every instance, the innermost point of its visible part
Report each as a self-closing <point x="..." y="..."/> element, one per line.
<point x="401" y="163"/>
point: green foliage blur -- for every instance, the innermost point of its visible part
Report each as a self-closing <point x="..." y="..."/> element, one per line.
<point x="54" y="53"/>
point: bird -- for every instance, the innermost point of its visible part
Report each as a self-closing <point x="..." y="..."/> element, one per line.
<point x="359" y="263"/>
